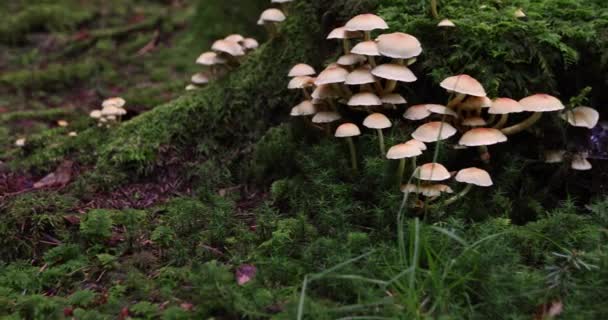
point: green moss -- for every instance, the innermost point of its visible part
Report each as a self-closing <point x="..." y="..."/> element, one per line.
<point x="53" y="76"/>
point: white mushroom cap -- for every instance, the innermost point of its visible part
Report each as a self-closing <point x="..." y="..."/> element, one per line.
<point x="324" y="91"/>
<point x="326" y="117"/>
<point x="417" y="112"/>
<point x="250" y="43"/>
<point x="474" y="122"/>
<point x="446" y="23"/>
<point x="435" y="190"/>
<point x="300" y="82"/>
<point x="581" y="117"/>
<point x="347" y="130"/>
<point x="72" y="134"/>
<point x="441" y="109"/>
<point x="20" y="142"/>
<point x="541" y="103"/>
<point x="360" y="76"/>
<point x="117" y="102"/>
<point x="377" y="121"/>
<point x="304" y="108"/>
<point x="232" y="48"/>
<point x="364" y="99"/>
<point x="351" y="59"/>
<point x="403" y="150"/>
<point x="432" y="172"/>
<point x="95" y="114"/>
<point x="505" y="106"/>
<point x="365" y="22"/>
<point x="464" y="84"/>
<point x="199" y="78"/>
<point x="62" y="123"/>
<point x="399" y="45"/>
<point x="554" y="156"/>
<point x="476" y="176"/>
<point x="235" y="38"/>
<point x="482" y="137"/>
<point x="209" y="59"/>
<point x="419" y="144"/>
<point x="393" y="98"/>
<point x="580" y="162"/>
<point x="366" y="48"/>
<point x="332" y="74"/>
<point x="342" y="33"/>
<point x="395" y="72"/>
<point x="301" y="69"/>
<point x="113" y="111"/>
<point x="272" y="15"/>
<point x="434" y="131"/>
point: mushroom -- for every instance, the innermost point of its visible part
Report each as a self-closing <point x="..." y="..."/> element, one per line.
<point x="440" y="109"/>
<point x="301" y="69"/>
<point x="519" y="13"/>
<point x="399" y="46"/>
<point x="403" y="151"/>
<point x="462" y="85"/>
<point x="482" y="137"/>
<point x="446" y="23"/>
<point x="72" y="134"/>
<point x="233" y="49"/>
<point x="116" y="102"/>
<point x="360" y="76"/>
<point x="351" y="59"/>
<point x="301" y="82"/>
<point x="434" y="131"/>
<point x="62" y="123"/>
<point x="270" y="18"/>
<point x="470" y="176"/>
<point x="236" y="38"/>
<point x="365" y="22"/>
<point x="367" y="48"/>
<point x="364" y="99"/>
<point x="199" y="79"/>
<point x="504" y="106"/>
<point x="20" y="142"/>
<point x="393" y="99"/>
<point x="393" y="73"/>
<point x="435" y="190"/>
<point x="334" y="75"/>
<point x="95" y="114"/>
<point x="432" y="172"/>
<point x="326" y="117"/>
<point x="249" y="44"/>
<point x="192" y="87"/>
<point x="304" y="108"/>
<point x="417" y="112"/>
<point x="349" y="130"/>
<point x="344" y="35"/>
<point x="210" y="59"/>
<point x="580" y="162"/>
<point x="581" y="117"/>
<point x="554" y="156"/>
<point x="283" y="4"/>
<point x="537" y="103"/>
<point x="378" y="121"/>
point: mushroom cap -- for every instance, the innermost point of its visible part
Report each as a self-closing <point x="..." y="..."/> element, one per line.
<point x="475" y="103"/>
<point x="250" y="43"/>
<point x="365" y="22"/>
<point x="417" y="112"/>
<point x="554" y="156"/>
<point x="324" y="91"/>
<point x="580" y="162"/>
<point x="72" y="134"/>
<point x="377" y="121"/>
<point x="505" y="106"/>
<point x="301" y="69"/>
<point x="300" y="82"/>
<point x="399" y="45"/>
<point x="95" y="114"/>
<point x="432" y="172"/>
<point x="235" y="38"/>
<point x="20" y="142"/>
<point x="272" y="15"/>
<point x="113" y="111"/>
<point x="476" y="176"/>
<point x="403" y="150"/>
<point x="350" y="59"/>
<point x="359" y="76"/>
<point x="393" y="98"/>
<point x="482" y="137"/>
<point x="210" y="58"/>
<point x="434" y="131"/>
<point x="347" y="130"/>
<point x="474" y="122"/>
<point x="342" y="33"/>
<point x="232" y="48"/>
<point x="192" y="87"/>
<point x="410" y="188"/>
<point x="519" y="13"/>
<point x="117" y="102"/>
<point x="419" y="144"/>
<point x="446" y="23"/>
<point x="326" y="117"/>
<point x="199" y="78"/>
<point x="62" y="123"/>
<point x="366" y="48"/>
<point x="304" y="108"/>
<point x="364" y="99"/>
<point x="332" y="74"/>
<point x="464" y="84"/>
<point x="393" y="71"/>
<point x="541" y="102"/>
<point x="581" y="117"/>
<point x="435" y="190"/>
<point x="441" y="109"/>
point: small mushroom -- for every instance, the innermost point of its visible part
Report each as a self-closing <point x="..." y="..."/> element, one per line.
<point x="399" y="46"/>
<point x="20" y="142"/>
<point x="446" y="23"/>
<point x="270" y="18"/>
<point x="199" y="79"/>
<point x="482" y="137"/>
<point x="301" y="69"/>
<point x="369" y="49"/>
<point x="378" y="121"/>
<point x="72" y="134"/>
<point x="326" y="117"/>
<point x="432" y="172"/>
<point x="401" y="152"/>
<point x="364" y="99"/>
<point x="462" y="85"/>
<point x="342" y="34"/>
<point x="116" y="102"/>
<point x="504" y="107"/>
<point x="349" y="130"/>
<point x="581" y="117"/>
<point x="470" y="176"/>
<point x="537" y="103"/>
<point x="434" y="131"/>
<point x="367" y="23"/>
<point x="519" y="13"/>
<point x="580" y="162"/>
<point x="417" y="112"/>
<point x="393" y="73"/>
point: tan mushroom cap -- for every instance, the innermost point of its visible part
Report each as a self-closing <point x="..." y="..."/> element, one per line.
<point x="482" y="137"/>
<point x="360" y="76"/>
<point x="417" y="112"/>
<point x="365" y="22"/>
<point x="366" y="48"/>
<point x="199" y="78"/>
<point x="476" y="176"/>
<point x="232" y="48"/>
<point x="350" y="59"/>
<point x="324" y="91"/>
<point x="505" y="106"/>
<point x="434" y="131"/>
<point x="541" y="103"/>
<point x="419" y="144"/>
<point x="300" y="82"/>
<point x="347" y="130"/>
<point x="474" y="122"/>
<point x="435" y="190"/>
<point x="332" y="74"/>
<point x="116" y="102"/>
<point x="209" y="59"/>
<point x="377" y="121"/>
<point x="399" y="45"/>
<point x="326" y="117"/>
<point x="432" y="172"/>
<point x="95" y="114"/>
<point x="403" y="150"/>
<point x="554" y="156"/>
<point x="342" y="33"/>
<point x="301" y="69"/>
<point x="581" y="117"/>
<point x="441" y="109"/>
<point x="192" y="87"/>
<point x="235" y="38"/>
<point x="395" y="72"/>
<point x="393" y="98"/>
<point x="304" y="108"/>
<point x="464" y="84"/>
<point x="113" y="111"/>
<point x="580" y="162"/>
<point x="519" y="13"/>
<point x="272" y="15"/>
<point x="250" y="43"/>
<point x="410" y="188"/>
<point x="364" y="99"/>
<point x="446" y="23"/>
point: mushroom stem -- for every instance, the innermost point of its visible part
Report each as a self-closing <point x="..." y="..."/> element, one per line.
<point x="400" y="171"/>
<point x="271" y="28"/>
<point x="306" y="94"/>
<point x="434" y="11"/>
<point x="378" y="86"/>
<point x="372" y="61"/>
<point x="353" y="153"/>
<point x="381" y="142"/>
<point x="484" y="154"/>
<point x="458" y="196"/>
<point x="346" y="46"/>
<point x="367" y="35"/>
<point x="502" y="121"/>
<point x="516" y="128"/>
<point x="390" y="86"/>
<point x="328" y="129"/>
<point x="456" y="100"/>
<point x="491" y="118"/>
<point x="414" y="164"/>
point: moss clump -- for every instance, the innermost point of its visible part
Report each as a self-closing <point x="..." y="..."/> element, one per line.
<point x="57" y="75"/>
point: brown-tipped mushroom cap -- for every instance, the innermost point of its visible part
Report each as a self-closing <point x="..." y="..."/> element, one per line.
<point x="377" y="121"/>
<point x="434" y="131"/>
<point x="432" y="172"/>
<point x="232" y="48"/>
<point x="234" y="38"/>
<point x="116" y="102"/>
<point x="541" y="103"/>
<point x="417" y="112"/>
<point x="364" y="99"/>
<point x="209" y="59"/>
<point x="419" y="144"/>
<point x="365" y="22"/>
<point x="333" y="74"/>
<point x="250" y="43"/>
<point x="476" y="176"/>
<point x="359" y="76"/>
<point x="301" y="69"/>
<point x="324" y="91"/>
<point x="326" y="117"/>
<point x="581" y="117"/>
<point x="440" y="109"/>
<point x="272" y="15"/>
<point x="342" y="33"/>
<point x="347" y="130"/>
<point x="554" y="156"/>
<point x="366" y="48"/>
<point x="482" y="137"/>
<point x="403" y="150"/>
<point x="350" y="59"/>
<point x="474" y="122"/>
<point x="446" y="23"/>
<point x="399" y="45"/>
<point x="505" y="106"/>
<point x="395" y="72"/>
<point x="464" y="84"/>
<point x="393" y="98"/>
<point x="199" y="78"/>
<point x="300" y="82"/>
<point x="580" y="162"/>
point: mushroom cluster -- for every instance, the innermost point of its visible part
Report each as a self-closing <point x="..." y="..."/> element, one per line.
<point x="364" y="80"/>
<point x="225" y="54"/>
<point x="111" y="112"/>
